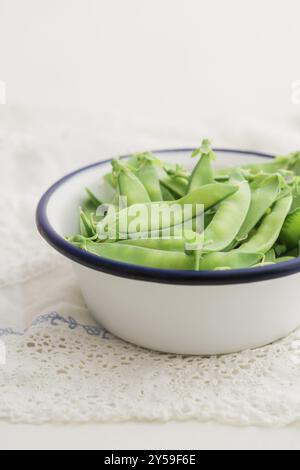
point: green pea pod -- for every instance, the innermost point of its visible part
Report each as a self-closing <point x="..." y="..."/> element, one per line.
<point x="208" y="217"/>
<point x="79" y="240"/>
<point x="258" y="181"/>
<point x="134" y="161"/>
<point x="228" y="220"/>
<point x="88" y="207"/>
<point x="91" y="204"/>
<point x="283" y="259"/>
<point x="230" y="259"/>
<point x="262" y="264"/>
<point x="261" y="200"/>
<point x="203" y="172"/>
<point x="294" y="163"/>
<point x="93" y="198"/>
<point x="111" y="180"/>
<point x="141" y="256"/>
<point x="287" y="162"/>
<point x="129" y="185"/>
<point x="290" y="233"/>
<point x="202" y="199"/>
<point x="178" y="185"/>
<point x="268" y="232"/>
<point x="183" y="242"/>
<point x="147" y="174"/>
<point x="167" y="195"/>
<point x="171" y="244"/>
<point x="296" y="193"/>
<point x="177" y="179"/>
<point x="87" y="227"/>
<point x="270" y="256"/>
<point x="295" y="252"/>
<point x="132" y="164"/>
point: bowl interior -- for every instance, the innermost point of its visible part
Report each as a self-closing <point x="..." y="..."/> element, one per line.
<point x="62" y="208"/>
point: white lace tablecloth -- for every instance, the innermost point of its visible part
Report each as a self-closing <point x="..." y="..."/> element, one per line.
<point x="60" y="366"/>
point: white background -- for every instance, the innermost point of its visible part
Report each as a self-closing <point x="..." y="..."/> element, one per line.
<point x="181" y="58"/>
<point x="174" y="64"/>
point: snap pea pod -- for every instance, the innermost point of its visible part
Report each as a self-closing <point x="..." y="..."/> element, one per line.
<point x="229" y="259"/>
<point x="93" y="198"/>
<point x="88" y="207"/>
<point x="171" y="244"/>
<point x="129" y="185"/>
<point x="134" y="160"/>
<point x="208" y="217"/>
<point x="287" y="162"/>
<point x="262" y="199"/>
<point x="281" y="250"/>
<point x="176" y="181"/>
<point x="290" y="233"/>
<point x="203" y="172"/>
<point x="294" y="162"/>
<point x="111" y="180"/>
<point x="132" y="164"/>
<point x="228" y="220"/>
<point x="79" y="240"/>
<point x="270" y="256"/>
<point x="295" y="252"/>
<point x="167" y="195"/>
<point x="283" y="259"/>
<point x="141" y="256"/>
<point x="178" y="185"/>
<point x="258" y="181"/>
<point x="296" y="193"/>
<point x="262" y="264"/>
<point x="268" y="232"/>
<point x="92" y="202"/>
<point x="202" y="199"/>
<point x="183" y="240"/>
<point x="147" y="174"/>
<point x="87" y="226"/>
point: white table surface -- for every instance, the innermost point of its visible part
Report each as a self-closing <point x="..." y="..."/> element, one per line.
<point x="172" y="435"/>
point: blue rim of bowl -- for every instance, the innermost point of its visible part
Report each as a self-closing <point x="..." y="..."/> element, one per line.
<point x="162" y="276"/>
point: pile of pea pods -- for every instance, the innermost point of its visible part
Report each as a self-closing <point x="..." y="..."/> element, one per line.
<point x="251" y="213"/>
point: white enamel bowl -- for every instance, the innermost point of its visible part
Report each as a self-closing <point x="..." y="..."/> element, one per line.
<point x="174" y="311"/>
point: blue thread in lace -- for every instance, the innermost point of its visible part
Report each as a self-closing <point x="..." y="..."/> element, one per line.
<point x="54" y="319"/>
